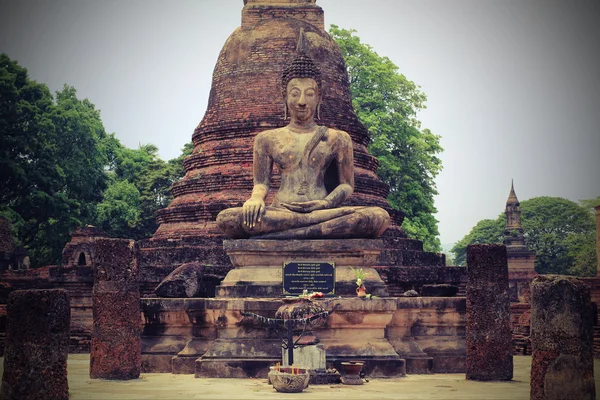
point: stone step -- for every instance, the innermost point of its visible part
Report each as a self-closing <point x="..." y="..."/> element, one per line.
<point x="410" y="257"/>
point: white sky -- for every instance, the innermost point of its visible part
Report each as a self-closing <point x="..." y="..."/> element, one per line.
<point x="513" y="86"/>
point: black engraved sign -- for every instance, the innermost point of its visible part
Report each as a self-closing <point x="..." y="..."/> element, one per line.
<point x="314" y="276"/>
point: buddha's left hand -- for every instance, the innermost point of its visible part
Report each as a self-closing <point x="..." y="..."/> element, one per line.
<point x="307" y="206"/>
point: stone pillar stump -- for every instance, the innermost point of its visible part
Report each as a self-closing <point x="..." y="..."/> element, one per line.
<point x="489" y="338"/>
<point x="37" y="345"/>
<point x="562" y="365"/>
<point x="116" y="345"/>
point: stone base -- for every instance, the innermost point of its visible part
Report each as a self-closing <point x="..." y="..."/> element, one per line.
<point x="449" y="364"/>
<point x="234" y="367"/>
<point x="419" y="365"/>
<point x="183" y="365"/>
<point x="157" y="363"/>
<point x="259" y="264"/>
<point x="381" y="332"/>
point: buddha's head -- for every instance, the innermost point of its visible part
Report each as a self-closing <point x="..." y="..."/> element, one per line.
<point x="301" y="85"/>
<point x="302" y="99"/>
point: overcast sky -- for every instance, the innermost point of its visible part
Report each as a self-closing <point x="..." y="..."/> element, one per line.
<point x="513" y="86"/>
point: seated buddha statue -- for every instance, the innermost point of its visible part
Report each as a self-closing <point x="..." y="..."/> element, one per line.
<point x="317" y="174"/>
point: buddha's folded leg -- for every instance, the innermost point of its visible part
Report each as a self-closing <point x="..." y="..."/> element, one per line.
<point x="363" y="222"/>
<point x="231" y="221"/>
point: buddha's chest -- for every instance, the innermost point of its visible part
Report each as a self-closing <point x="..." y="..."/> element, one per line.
<point x="291" y="152"/>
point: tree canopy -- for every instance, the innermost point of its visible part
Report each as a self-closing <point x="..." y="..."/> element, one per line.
<point x="486" y="231"/>
<point x="561" y="232"/>
<point x="59" y="169"/>
<point x="139" y="186"/>
<point x="387" y="103"/>
<point x="51" y="161"/>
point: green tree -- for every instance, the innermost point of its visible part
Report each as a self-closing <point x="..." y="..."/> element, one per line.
<point x="151" y="177"/>
<point x="119" y="212"/>
<point x="59" y="169"/>
<point x="177" y="163"/>
<point x="82" y="151"/>
<point x="553" y="229"/>
<point x="487" y="231"/>
<point x="561" y="232"/>
<point x="51" y="163"/>
<point x="387" y="104"/>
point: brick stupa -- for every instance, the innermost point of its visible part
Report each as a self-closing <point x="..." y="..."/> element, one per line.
<point x="245" y="99"/>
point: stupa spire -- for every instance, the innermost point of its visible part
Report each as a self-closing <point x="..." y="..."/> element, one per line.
<point x="512" y="196"/>
<point x="513" y="232"/>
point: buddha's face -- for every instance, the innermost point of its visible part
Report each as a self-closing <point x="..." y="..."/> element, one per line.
<point x="302" y="99"/>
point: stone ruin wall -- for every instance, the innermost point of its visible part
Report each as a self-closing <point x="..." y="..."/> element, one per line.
<point x="78" y="281"/>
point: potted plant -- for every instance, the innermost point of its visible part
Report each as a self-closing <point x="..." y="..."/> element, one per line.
<point x="361" y="290"/>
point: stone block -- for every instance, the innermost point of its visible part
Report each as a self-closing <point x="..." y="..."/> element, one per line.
<point x="37" y="344"/>
<point x="488" y="332"/>
<point x="183" y="365"/>
<point x="310" y="357"/>
<point x="562" y="365"/>
<point x="440" y="290"/>
<point x="190" y="280"/>
<point x="116" y="347"/>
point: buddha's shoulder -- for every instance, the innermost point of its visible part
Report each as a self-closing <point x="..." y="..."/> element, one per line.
<point x="339" y="135"/>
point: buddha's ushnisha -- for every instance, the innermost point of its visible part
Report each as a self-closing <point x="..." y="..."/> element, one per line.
<point x="306" y="155"/>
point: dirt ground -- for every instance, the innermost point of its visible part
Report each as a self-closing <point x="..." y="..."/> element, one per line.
<point x="169" y="386"/>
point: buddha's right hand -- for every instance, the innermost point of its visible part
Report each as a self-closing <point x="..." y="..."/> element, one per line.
<point x="253" y="211"/>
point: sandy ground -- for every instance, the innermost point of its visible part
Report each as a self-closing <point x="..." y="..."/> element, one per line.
<point x="169" y="386"/>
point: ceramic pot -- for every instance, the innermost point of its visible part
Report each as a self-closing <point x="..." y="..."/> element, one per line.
<point x="285" y="382"/>
<point x="352" y="368"/>
<point x="361" y="291"/>
<point x="351" y="372"/>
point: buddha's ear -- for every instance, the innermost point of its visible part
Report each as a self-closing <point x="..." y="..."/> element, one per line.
<point x="319" y="105"/>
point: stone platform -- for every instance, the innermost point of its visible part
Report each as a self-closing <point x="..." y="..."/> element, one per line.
<point x="258" y="265"/>
<point x="394" y="336"/>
